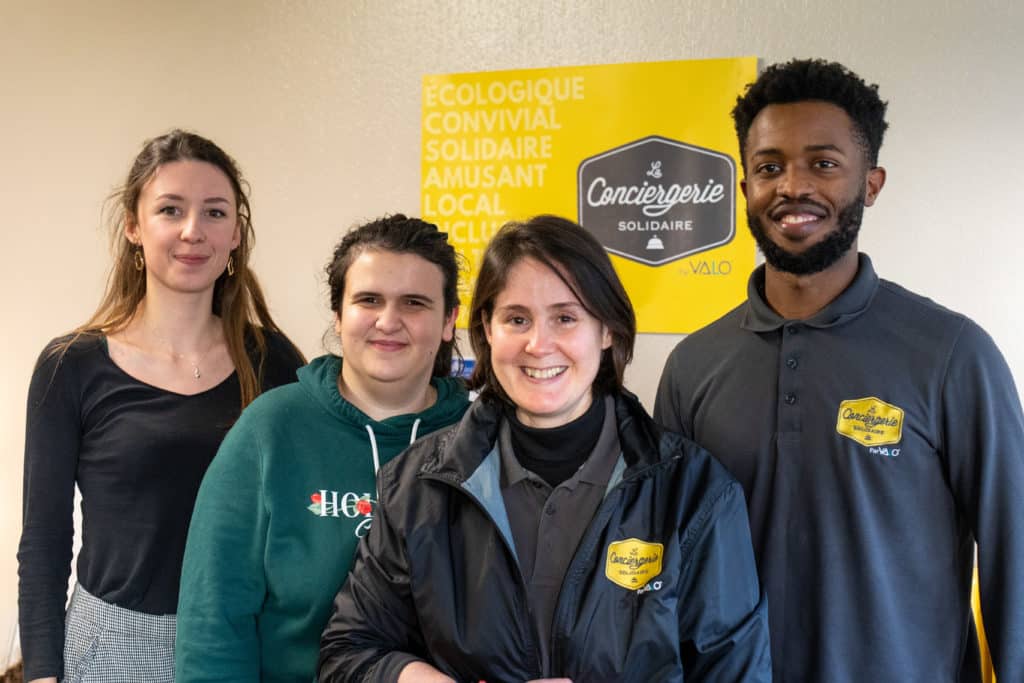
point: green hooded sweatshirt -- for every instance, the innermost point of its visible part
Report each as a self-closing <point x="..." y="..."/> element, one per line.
<point x="275" y="527"/>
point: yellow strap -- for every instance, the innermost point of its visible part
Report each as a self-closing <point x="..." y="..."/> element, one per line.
<point x="987" y="675"/>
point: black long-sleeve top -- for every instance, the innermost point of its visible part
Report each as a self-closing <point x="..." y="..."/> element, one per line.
<point x="138" y="454"/>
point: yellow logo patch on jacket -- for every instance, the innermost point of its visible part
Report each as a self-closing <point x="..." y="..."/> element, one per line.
<point x="632" y="563"/>
<point x="870" y="421"/>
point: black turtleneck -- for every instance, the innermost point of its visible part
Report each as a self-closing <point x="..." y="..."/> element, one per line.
<point x="555" y="454"/>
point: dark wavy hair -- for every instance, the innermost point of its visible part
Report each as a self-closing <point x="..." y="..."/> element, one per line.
<point x="403" y="235"/>
<point x="579" y="260"/>
<point x="800" y="80"/>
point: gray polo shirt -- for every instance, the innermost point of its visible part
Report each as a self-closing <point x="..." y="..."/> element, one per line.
<point x="875" y="441"/>
<point x="548" y="523"/>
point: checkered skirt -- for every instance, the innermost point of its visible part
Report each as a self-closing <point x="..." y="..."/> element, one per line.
<point x="104" y="643"/>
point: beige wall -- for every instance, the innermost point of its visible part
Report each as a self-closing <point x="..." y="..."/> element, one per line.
<point x="319" y="102"/>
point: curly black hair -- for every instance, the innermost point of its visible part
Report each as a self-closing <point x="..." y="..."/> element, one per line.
<point x="402" y="235"/>
<point x="800" y="80"/>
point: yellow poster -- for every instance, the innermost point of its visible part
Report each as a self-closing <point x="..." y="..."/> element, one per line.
<point x="642" y="155"/>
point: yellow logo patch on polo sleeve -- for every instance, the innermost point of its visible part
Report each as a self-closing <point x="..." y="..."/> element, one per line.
<point x="632" y="563"/>
<point x="870" y="421"/>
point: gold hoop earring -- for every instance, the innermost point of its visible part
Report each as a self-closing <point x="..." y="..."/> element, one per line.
<point x="140" y="262"/>
<point x="231" y="265"/>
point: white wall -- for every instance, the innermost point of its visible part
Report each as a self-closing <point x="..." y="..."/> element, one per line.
<point x="320" y="104"/>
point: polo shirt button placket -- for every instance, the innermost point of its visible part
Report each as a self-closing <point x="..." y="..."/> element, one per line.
<point x="790" y="351"/>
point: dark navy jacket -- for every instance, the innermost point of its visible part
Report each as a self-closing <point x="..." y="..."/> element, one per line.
<point x="663" y="586"/>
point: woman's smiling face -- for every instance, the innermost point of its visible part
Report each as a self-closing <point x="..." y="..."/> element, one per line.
<point x="546" y="347"/>
<point x="186" y="223"/>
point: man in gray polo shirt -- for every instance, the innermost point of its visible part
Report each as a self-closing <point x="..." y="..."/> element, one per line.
<point x="877" y="435"/>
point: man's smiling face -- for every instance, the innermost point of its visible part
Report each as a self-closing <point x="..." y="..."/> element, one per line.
<point x="807" y="184"/>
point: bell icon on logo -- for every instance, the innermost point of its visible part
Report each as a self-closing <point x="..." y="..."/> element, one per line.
<point x="655" y="243"/>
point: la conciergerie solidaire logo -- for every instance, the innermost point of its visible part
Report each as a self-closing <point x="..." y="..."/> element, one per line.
<point x="657" y="200"/>
<point x="871" y="422"/>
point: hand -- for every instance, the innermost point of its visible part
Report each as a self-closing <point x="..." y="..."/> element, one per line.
<point x="51" y="679"/>
<point x="421" y="672"/>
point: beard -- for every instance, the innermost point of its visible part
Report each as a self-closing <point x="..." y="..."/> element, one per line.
<point x="816" y="257"/>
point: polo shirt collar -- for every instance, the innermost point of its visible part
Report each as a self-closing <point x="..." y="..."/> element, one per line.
<point x="511" y="471"/>
<point x="854" y="300"/>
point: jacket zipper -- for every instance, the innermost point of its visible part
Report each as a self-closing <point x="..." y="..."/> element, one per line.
<point x="568" y="597"/>
<point x="525" y="615"/>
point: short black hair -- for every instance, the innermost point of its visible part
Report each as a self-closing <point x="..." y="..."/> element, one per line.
<point x="800" y="80"/>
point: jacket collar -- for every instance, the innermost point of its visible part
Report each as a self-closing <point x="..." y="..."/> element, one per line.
<point x="462" y="450"/>
<point x="854" y="300"/>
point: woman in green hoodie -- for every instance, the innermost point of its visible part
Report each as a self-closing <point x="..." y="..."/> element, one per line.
<point x="293" y="487"/>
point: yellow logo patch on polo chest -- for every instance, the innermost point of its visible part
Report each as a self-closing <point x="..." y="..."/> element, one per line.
<point x="870" y="421"/>
<point x="632" y="563"/>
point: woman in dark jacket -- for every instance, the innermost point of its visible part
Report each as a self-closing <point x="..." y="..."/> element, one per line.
<point x="556" y="530"/>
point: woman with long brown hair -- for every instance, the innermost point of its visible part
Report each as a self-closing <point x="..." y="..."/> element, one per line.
<point x="131" y="406"/>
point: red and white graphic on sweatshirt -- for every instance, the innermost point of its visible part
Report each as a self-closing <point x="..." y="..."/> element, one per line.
<point x="349" y="505"/>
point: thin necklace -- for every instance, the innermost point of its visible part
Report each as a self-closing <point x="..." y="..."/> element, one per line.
<point x="195" y="365"/>
<point x="196" y="372"/>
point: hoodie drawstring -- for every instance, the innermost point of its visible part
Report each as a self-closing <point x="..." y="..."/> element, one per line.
<point x="373" y="447"/>
<point x="373" y="443"/>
